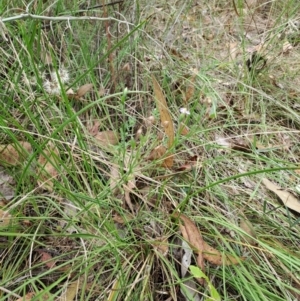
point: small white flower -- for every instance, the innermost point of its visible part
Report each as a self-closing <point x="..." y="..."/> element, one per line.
<point x="64" y="75"/>
<point x="184" y="111"/>
<point x="54" y="77"/>
<point x="51" y="87"/>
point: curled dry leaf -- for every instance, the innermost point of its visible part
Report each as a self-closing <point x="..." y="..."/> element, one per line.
<point x="157" y="153"/>
<point x="288" y="199"/>
<point x="47" y="259"/>
<point x="5" y="218"/>
<point x="183" y="129"/>
<point x="190" y="91"/>
<point x="80" y="92"/>
<point x="94" y="129"/>
<point x="122" y="219"/>
<point x="161" y="244"/>
<point x="193" y="236"/>
<point x="27" y="297"/>
<point x="216" y="257"/>
<point x="107" y="138"/>
<point x="47" y="169"/>
<point x="14" y="153"/>
<point x="83" y="90"/>
<point x="165" y="118"/>
<point x="191" y="163"/>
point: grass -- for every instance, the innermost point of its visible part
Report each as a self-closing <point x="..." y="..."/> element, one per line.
<point x="105" y="230"/>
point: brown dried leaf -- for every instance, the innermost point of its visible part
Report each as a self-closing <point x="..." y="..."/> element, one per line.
<point x="47" y="259"/>
<point x="165" y="118"/>
<point x="122" y="219"/>
<point x="216" y="257"/>
<point x="242" y="146"/>
<point x="27" y="297"/>
<point x="83" y="90"/>
<point x="183" y="129"/>
<point x="47" y="169"/>
<point x="71" y="95"/>
<point x="107" y="138"/>
<point x="288" y="199"/>
<point x="190" y="91"/>
<point x="161" y="244"/>
<point x="14" y="153"/>
<point x="189" y="164"/>
<point x="5" y="218"/>
<point x="157" y="153"/>
<point x="94" y="129"/>
<point x="193" y="236"/>
<point x="126" y="67"/>
<point x="71" y="291"/>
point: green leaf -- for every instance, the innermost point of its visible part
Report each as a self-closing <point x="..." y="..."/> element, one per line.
<point x="197" y="273"/>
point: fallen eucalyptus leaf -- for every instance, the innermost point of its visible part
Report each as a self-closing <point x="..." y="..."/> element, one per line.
<point x="193" y="236"/>
<point x="165" y="118"/>
<point x="107" y="138"/>
<point x="83" y="90"/>
<point x="5" y="218"/>
<point x="288" y="199"/>
<point x="15" y="153"/>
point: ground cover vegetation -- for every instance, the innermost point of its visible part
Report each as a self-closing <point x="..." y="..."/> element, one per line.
<point x="149" y="150"/>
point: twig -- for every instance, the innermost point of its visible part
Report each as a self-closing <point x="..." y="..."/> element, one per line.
<point x="3" y="30"/>
<point x="235" y="9"/>
<point x="9" y="292"/>
<point x="102" y="5"/>
<point x="64" y="18"/>
<point x="111" y="54"/>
